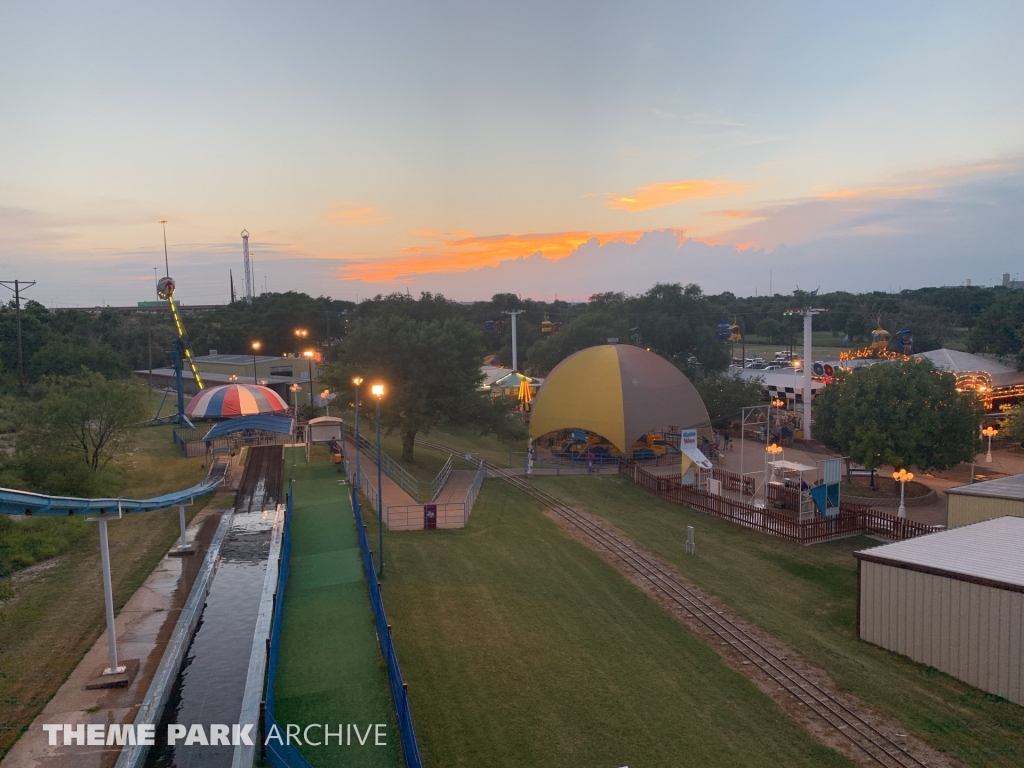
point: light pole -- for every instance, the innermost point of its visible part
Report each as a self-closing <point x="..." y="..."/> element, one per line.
<point x="294" y="388"/>
<point x="309" y="354"/>
<point x="778" y="403"/>
<point x="378" y="391"/>
<point x="356" y="382"/>
<point x="772" y="451"/>
<point x="902" y="477"/>
<point x="989" y="432"/>
<point x="301" y="333"/>
<point x="255" y="348"/>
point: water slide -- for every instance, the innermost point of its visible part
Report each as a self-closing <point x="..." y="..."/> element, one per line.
<point x="14" y="502"/>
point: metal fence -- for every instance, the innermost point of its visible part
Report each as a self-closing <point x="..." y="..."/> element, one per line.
<point x="419" y="490"/>
<point x="851" y="520"/>
<point x="191" y="444"/>
<point x="399" y="693"/>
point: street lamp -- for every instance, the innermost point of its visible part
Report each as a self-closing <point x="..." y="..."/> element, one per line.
<point x="378" y="391"/>
<point x="989" y="432"/>
<point x="902" y="477"/>
<point x="301" y="333"/>
<point x="255" y="348"/>
<point x="357" y="381"/>
<point x="778" y="402"/>
<point x="309" y="354"/>
<point x="294" y="389"/>
<point x="771" y="451"/>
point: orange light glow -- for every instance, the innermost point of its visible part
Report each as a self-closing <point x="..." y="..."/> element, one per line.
<point x="348" y="214"/>
<point x="672" y="192"/>
<point x="480" y="251"/>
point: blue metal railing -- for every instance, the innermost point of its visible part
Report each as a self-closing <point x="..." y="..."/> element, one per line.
<point x="399" y="695"/>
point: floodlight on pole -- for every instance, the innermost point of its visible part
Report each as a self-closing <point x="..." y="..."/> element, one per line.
<point x="902" y="477"/>
<point x="256" y="345"/>
<point x="309" y="354"/>
<point x="356" y="381"/>
<point x="378" y="392"/>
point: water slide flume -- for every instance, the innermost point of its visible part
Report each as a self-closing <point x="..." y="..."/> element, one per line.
<point x="13" y="502"/>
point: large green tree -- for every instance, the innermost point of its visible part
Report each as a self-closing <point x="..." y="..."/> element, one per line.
<point x="900" y="414"/>
<point x="725" y="395"/>
<point x="430" y="370"/>
<point x="68" y="435"/>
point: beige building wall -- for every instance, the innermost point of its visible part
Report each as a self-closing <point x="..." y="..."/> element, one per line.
<point x="963" y="509"/>
<point x="972" y="632"/>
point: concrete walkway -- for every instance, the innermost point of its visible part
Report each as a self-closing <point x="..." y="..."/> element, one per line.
<point x="394" y="495"/>
<point x="143" y="628"/>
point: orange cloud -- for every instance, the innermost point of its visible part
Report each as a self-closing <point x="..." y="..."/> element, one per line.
<point x="347" y="214"/>
<point x="460" y="255"/>
<point x="875" y="192"/>
<point x="672" y="192"/>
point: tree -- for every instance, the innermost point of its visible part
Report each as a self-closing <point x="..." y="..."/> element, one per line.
<point x="430" y="370"/>
<point x="900" y="414"/>
<point x="725" y="395"/>
<point x="771" y="329"/>
<point x="76" y="426"/>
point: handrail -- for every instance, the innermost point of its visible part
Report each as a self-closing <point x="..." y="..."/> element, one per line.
<point x="420" y="491"/>
<point x="399" y="692"/>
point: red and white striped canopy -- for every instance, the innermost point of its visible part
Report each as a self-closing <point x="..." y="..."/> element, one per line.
<point x="235" y="400"/>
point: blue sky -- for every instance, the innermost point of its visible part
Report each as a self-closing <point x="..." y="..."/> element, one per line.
<point x="380" y="146"/>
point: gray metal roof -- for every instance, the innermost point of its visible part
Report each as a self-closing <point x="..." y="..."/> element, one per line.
<point x="990" y="551"/>
<point x="242" y="359"/>
<point x="1011" y="487"/>
<point x="963" y="362"/>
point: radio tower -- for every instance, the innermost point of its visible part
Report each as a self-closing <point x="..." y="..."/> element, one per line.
<point x="248" y="271"/>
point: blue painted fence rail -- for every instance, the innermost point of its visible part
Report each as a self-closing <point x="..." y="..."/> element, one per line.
<point x="399" y="695"/>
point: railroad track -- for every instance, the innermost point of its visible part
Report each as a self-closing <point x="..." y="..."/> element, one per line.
<point x="865" y="737"/>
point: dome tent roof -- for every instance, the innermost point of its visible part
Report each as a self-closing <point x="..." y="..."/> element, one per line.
<point x="618" y="391"/>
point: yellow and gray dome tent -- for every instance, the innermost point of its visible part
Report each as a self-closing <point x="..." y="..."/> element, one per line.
<point x="618" y="391"/>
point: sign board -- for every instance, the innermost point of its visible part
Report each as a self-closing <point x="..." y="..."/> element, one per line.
<point x="613" y="340"/>
<point x="429" y="516"/>
<point x="690" y="451"/>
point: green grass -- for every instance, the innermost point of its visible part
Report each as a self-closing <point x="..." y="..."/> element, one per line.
<point x="48" y="622"/>
<point x="26" y="542"/>
<point x="807" y="597"/>
<point x="330" y="669"/>
<point x="521" y="647"/>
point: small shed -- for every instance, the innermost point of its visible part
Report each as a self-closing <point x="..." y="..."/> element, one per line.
<point x="953" y="600"/>
<point x="985" y="500"/>
<point x="323" y="428"/>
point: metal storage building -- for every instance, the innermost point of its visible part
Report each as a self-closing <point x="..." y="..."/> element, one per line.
<point x="953" y="600"/>
<point x="985" y="500"/>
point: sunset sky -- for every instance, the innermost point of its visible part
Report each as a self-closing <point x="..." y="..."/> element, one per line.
<point x="542" y="148"/>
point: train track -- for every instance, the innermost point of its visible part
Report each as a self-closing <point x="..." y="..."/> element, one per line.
<point x="865" y="737"/>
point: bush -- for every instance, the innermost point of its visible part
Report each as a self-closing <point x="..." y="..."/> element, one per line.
<point x="24" y="543"/>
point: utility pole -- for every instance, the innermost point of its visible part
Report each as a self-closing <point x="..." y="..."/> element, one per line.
<point x="514" y="313"/>
<point x="231" y="277"/>
<point x="18" y="286"/>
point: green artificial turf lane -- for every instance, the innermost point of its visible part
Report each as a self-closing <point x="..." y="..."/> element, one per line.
<point x="522" y="647"/>
<point x="329" y="669"/>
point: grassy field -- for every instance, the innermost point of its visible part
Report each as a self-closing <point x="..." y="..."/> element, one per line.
<point x="51" y="616"/>
<point x="806" y="596"/>
<point x="330" y="669"/>
<point x="521" y="647"/>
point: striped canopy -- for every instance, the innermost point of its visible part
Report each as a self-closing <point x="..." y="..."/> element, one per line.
<point x="235" y="400"/>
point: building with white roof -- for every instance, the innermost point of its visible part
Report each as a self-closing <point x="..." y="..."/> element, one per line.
<point x="953" y="600"/>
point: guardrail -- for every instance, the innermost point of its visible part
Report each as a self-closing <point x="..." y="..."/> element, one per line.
<point x="399" y="692"/>
<point x="851" y="520"/>
<point x="419" y="490"/>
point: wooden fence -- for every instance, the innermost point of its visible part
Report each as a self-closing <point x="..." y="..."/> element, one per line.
<point x="851" y="520"/>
